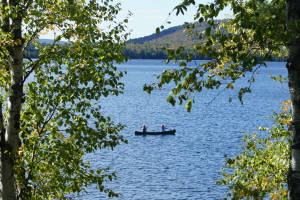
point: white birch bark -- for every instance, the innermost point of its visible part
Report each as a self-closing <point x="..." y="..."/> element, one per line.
<point x="293" y="66"/>
<point x="12" y="128"/>
<point x="10" y="146"/>
<point x="2" y="139"/>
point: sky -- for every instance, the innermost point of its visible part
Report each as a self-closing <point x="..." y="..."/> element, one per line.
<point x="147" y="15"/>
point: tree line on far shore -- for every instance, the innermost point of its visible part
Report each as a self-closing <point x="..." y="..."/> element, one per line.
<point x="134" y="50"/>
<point x="155" y="46"/>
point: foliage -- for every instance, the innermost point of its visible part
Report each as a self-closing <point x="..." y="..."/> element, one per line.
<point x="238" y="46"/>
<point x="260" y="170"/>
<point x="33" y="48"/>
<point x="61" y="119"/>
<point x="155" y="46"/>
<point x="155" y="36"/>
<point x="148" y="47"/>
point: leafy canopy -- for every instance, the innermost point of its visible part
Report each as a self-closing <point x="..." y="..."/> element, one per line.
<point x="61" y="118"/>
<point x="237" y="46"/>
<point x="259" y="171"/>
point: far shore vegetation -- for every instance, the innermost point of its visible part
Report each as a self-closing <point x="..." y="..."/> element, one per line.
<point x="154" y="46"/>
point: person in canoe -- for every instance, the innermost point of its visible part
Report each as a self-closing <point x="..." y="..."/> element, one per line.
<point x="144" y="128"/>
<point x="163" y="128"/>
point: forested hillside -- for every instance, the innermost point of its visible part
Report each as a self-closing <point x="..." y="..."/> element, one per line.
<point x="151" y="47"/>
<point x="148" y="47"/>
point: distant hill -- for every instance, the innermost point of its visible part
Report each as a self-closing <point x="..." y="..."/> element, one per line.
<point x="173" y="37"/>
<point x="149" y="47"/>
<point x="155" y="36"/>
<point x="46" y="41"/>
<point x="50" y="41"/>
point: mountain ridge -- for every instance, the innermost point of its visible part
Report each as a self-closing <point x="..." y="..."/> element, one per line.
<point x="154" y="36"/>
<point x="150" y="46"/>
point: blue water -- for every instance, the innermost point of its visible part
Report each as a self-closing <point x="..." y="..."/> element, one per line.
<point x="185" y="165"/>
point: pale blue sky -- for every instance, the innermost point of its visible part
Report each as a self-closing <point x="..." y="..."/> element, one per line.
<point x="150" y="14"/>
<point x="147" y="15"/>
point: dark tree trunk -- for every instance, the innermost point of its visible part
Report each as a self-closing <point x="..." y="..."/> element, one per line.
<point x="293" y="66"/>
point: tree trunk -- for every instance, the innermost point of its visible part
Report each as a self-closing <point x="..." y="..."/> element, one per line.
<point x="10" y="145"/>
<point x="293" y="66"/>
<point x="2" y="139"/>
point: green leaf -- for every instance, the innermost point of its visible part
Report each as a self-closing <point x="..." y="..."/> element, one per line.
<point x="171" y="100"/>
<point x="157" y="30"/>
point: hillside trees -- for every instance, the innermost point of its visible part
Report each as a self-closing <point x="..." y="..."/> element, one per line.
<point x="257" y="31"/>
<point x="49" y="111"/>
<point x="144" y="51"/>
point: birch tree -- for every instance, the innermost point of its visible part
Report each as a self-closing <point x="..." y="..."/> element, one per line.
<point x="257" y="31"/>
<point x="50" y="115"/>
<point x="293" y="66"/>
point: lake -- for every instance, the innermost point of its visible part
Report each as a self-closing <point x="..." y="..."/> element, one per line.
<point x="185" y="165"/>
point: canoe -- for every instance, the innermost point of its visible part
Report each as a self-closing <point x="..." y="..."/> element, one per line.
<point x="169" y="132"/>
